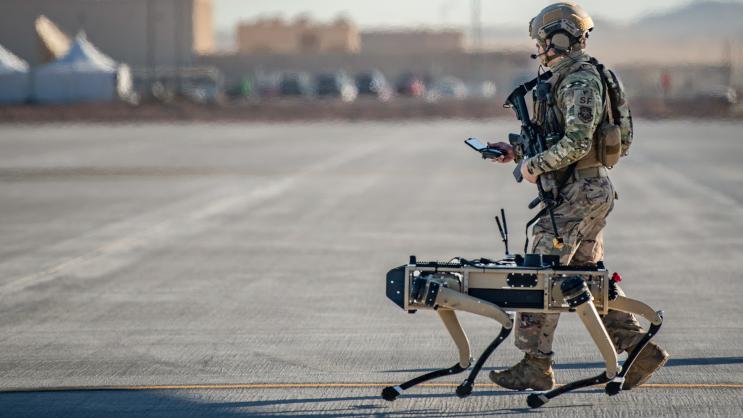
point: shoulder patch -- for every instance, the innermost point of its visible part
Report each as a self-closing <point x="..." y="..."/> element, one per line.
<point x="570" y="85"/>
<point x="585" y="114"/>
<point x="584" y="103"/>
<point x="584" y="97"/>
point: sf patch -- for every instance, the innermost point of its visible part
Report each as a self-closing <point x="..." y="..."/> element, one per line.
<point x="585" y="114"/>
<point x="584" y="101"/>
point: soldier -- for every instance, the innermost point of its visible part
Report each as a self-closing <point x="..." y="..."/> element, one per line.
<point x="573" y="128"/>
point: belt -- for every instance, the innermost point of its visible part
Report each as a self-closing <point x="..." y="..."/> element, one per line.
<point x="590" y="172"/>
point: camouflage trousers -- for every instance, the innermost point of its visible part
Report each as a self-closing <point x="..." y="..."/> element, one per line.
<point x="580" y="220"/>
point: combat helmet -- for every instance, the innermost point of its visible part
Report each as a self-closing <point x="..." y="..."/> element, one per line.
<point x="562" y="27"/>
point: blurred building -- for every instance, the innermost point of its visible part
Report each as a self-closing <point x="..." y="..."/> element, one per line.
<point x="412" y="41"/>
<point x="139" y="32"/>
<point x="276" y="36"/>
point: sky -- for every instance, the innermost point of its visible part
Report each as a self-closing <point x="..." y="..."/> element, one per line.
<point x="428" y="13"/>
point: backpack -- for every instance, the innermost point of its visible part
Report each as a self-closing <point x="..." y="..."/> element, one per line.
<point x="614" y="134"/>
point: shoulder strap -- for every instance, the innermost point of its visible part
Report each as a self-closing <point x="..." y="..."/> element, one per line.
<point x="609" y="110"/>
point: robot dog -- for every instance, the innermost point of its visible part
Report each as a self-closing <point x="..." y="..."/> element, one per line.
<point x="497" y="288"/>
<point x="530" y="283"/>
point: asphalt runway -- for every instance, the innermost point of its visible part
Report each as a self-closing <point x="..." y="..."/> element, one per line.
<point x="238" y="269"/>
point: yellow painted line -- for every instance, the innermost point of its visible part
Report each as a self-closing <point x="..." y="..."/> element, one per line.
<point x="321" y="386"/>
<point x="694" y="385"/>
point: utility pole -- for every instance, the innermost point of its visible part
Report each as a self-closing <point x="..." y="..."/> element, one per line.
<point x="178" y="42"/>
<point x="476" y="44"/>
<point x="476" y="24"/>
<point x="727" y="61"/>
<point x="150" y="23"/>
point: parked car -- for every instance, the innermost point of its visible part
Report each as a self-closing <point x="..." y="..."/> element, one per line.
<point x="295" y="85"/>
<point x="410" y="85"/>
<point x="717" y="94"/>
<point x="482" y="89"/>
<point x="267" y="85"/>
<point x="709" y="98"/>
<point x="373" y="83"/>
<point x="337" y="85"/>
<point x="447" y="88"/>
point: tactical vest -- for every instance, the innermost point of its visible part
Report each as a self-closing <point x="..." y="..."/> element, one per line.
<point x="613" y="135"/>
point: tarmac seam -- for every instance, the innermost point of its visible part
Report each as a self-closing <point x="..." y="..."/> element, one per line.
<point x="319" y="386"/>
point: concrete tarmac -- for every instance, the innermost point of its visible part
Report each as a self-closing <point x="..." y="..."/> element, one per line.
<point x="238" y="269"/>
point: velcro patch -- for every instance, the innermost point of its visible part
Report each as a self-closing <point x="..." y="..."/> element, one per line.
<point x="584" y="103"/>
<point x="585" y="114"/>
<point x="584" y="98"/>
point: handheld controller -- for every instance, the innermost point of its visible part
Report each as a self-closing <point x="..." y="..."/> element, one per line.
<point x="484" y="150"/>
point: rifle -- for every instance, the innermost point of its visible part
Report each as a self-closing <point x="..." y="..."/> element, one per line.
<point x="531" y="142"/>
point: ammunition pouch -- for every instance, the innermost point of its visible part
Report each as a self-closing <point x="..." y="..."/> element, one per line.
<point x="609" y="144"/>
<point x="606" y="148"/>
<point x="608" y="135"/>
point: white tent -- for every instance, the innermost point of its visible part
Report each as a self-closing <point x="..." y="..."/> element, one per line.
<point x="84" y="74"/>
<point x="14" y="78"/>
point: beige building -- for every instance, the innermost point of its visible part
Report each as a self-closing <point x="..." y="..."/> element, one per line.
<point x="163" y="33"/>
<point x="276" y="36"/>
<point x="412" y="41"/>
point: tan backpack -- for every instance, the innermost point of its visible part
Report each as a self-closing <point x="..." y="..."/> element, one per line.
<point x="614" y="134"/>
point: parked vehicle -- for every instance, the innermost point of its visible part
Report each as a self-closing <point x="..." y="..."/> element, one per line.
<point x="295" y="85"/>
<point x="337" y="85"/>
<point x="481" y="90"/>
<point x="373" y="83"/>
<point x="709" y="98"/>
<point x="447" y="88"/>
<point x="267" y="85"/>
<point x="717" y="94"/>
<point x="410" y="85"/>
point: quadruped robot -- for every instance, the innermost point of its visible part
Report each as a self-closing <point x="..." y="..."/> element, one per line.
<point x="529" y="283"/>
<point x="498" y="288"/>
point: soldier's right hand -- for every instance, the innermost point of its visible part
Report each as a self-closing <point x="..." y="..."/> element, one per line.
<point x="505" y="148"/>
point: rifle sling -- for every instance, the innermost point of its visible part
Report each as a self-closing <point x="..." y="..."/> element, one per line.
<point x="563" y="180"/>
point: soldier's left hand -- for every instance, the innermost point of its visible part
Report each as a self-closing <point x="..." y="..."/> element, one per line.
<point x="531" y="178"/>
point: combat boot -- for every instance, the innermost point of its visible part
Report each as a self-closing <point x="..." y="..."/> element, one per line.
<point x="650" y="359"/>
<point x="530" y="373"/>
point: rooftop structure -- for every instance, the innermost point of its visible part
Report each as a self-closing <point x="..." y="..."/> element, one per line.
<point x="274" y="35"/>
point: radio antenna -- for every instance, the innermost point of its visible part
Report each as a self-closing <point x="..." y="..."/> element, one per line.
<point x="503" y="228"/>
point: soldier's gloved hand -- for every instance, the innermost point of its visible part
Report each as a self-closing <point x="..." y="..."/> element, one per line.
<point x="505" y="148"/>
<point x="531" y="178"/>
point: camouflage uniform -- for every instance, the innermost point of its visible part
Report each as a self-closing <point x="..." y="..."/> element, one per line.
<point x="586" y="200"/>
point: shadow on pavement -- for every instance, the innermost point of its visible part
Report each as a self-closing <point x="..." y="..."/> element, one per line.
<point x="114" y="403"/>
<point x="201" y="404"/>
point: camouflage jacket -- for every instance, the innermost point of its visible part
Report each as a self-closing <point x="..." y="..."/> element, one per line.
<point x="579" y="107"/>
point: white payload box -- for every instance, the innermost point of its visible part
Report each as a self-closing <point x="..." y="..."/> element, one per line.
<point x="84" y="74"/>
<point x="15" y="81"/>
